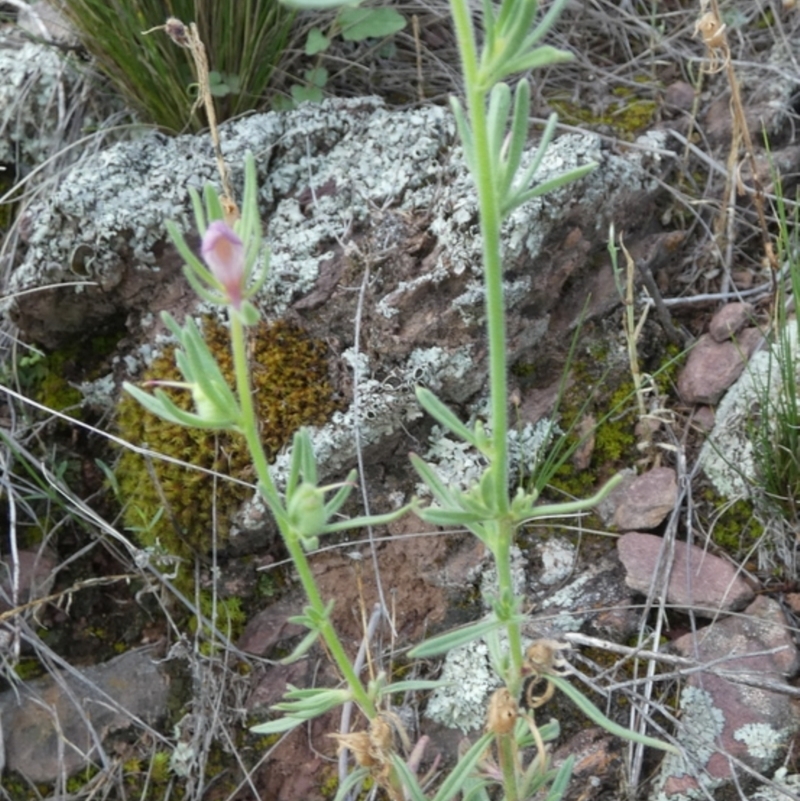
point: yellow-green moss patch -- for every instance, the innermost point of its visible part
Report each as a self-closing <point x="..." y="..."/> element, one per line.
<point x="291" y="389"/>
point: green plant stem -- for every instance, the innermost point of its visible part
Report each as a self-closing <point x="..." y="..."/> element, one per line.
<point x="504" y="538"/>
<point x="249" y="427"/>
<point x="490" y="223"/>
<point x="506" y="754"/>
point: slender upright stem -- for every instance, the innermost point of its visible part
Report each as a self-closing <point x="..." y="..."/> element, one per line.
<point x="490" y="223"/>
<point x="249" y="427"/>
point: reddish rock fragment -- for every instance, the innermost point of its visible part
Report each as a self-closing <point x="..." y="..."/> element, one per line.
<point x="648" y="500"/>
<point x="699" y="580"/>
<point x="729" y="320"/>
<point x="713" y="366"/>
<point x="737" y="715"/>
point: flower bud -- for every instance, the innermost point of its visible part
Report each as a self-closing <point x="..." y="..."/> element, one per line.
<point x="208" y="410"/>
<point x="306" y="508"/>
<point x="223" y="252"/>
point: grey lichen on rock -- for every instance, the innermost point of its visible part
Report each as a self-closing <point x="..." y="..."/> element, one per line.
<point x="728" y="457"/>
<point x="468" y="681"/>
<point x="34" y="83"/>
<point x="348" y="189"/>
<point x="701" y="726"/>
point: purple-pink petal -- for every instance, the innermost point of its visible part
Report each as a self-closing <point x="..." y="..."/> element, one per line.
<point x="223" y="252"/>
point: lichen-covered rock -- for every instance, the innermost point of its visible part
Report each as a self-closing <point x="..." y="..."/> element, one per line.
<point x="351" y="192"/>
<point x="728" y="457"/>
<point x="738" y="712"/>
<point x="35" y="86"/>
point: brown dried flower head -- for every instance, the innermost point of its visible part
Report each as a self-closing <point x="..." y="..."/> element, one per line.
<point x="503" y="712"/>
<point x="176" y="31"/>
<point x="713" y="32"/>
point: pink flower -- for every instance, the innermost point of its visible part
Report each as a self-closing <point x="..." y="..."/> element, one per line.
<point x="223" y="252"/>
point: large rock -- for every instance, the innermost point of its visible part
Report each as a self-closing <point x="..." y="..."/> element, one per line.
<point x="736" y="712"/>
<point x="730" y="456"/>
<point x="58" y="724"/>
<point x="343" y="184"/>
<point x="38" y="99"/>
<point x="698" y="580"/>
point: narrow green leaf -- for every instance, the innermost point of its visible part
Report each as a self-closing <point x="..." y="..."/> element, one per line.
<point x="523" y="183"/>
<point x="440" y="490"/>
<point x="354" y="778"/>
<point x="541" y="57"/>
<point x="411" y="787"/>
<point x="371" y="520"/>
<point x="180" y="245"/>
<point x="559" y="786"/>
<point x="277" y="726"/>
<point x="199" y="214"/>
<point x="301" y="648"/>
<point x="213" y="204"/>
<point x="568" y="507"/>
<point x="317" y="5"/>
<point x="340" y="498"/>
<point x="465" y="766"/>
<point x="412" y="685"/>
<point x="497" y="118"/>
<point x="518" y="135"/>
<point x="464" y="134"/>
<point x="444" y="415"/>
<point x="455" y="638"/>
<point x="448" y="517"/>
<point x="595" y="715"/>
<point x="546" y="22"/>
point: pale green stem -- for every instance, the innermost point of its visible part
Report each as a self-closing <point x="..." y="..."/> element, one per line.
<point x="249" y="426"/>
<point x="506" y="755"/>
<point x="504" y="538"/>
<point x="490" y="222"/>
